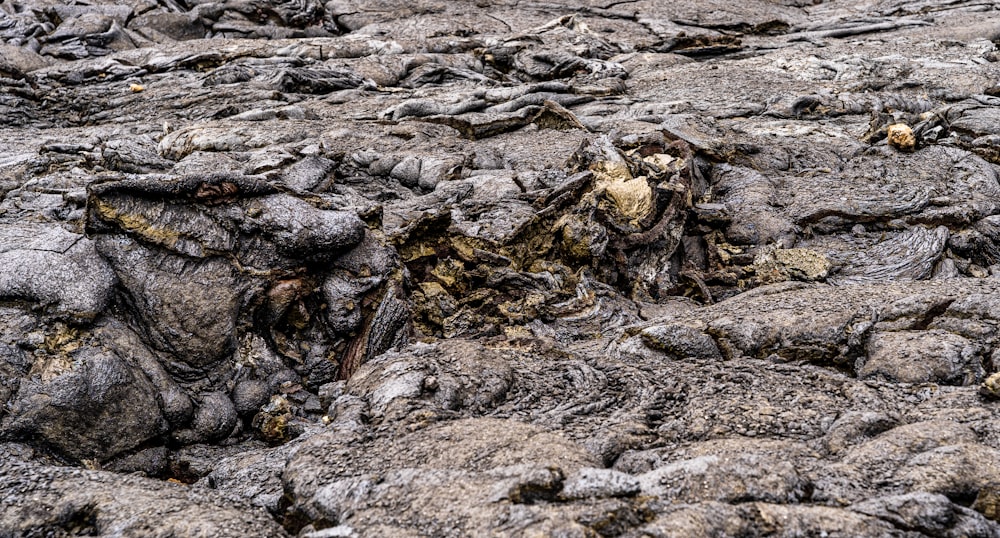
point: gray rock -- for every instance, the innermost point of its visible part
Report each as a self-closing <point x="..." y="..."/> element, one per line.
<point x="309" y="173"/>
<point x="20" y="60"/>
<point x="456" y="471"/>
<point x="681" y="341"/>
<point x="341" y="292"/>
<point x="706" y="519"/>
<point x="856" y="427"/>
<point x="930" y="514"/>
<point x="728" y="472"/>
<point x="959" y="470"/>
<point x="55" y="269"/>
<point x="407" y="171"/>
<point x="603" y="268"/>
<point x="197" y="330"/>
<point x="253" y="475"/>
<point x="591" y="483"/>
<point x="43" y="499"/>
<point x="174" y="401"/>
<point x="86" y="404"/>
<point x="923" y="356"/>
<point x="308" y="232"/>
<point x="214" y="419"/>
<point x="152" y="462"/>
<point x="172" y="26"/>
<point x="249" y="395"/>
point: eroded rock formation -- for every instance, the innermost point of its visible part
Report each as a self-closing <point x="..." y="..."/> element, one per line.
<point x="643" y="268"/>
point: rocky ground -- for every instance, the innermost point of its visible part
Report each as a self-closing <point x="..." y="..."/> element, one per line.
<point x="516" y="268"/>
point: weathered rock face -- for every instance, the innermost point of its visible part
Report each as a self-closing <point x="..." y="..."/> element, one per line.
<point x="59" y="501"/>
<point x="444" y="269"/>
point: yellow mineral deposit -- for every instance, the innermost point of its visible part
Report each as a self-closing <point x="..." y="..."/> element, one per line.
<point x="781" y="264"/>
<point x="662" y="161"/>
<point x="901" y="137"/>
<point x="803" y="263"/>
<point x="136" y="88"/>
<point x="991" y="387"/>
<point x="987" y="501"/>
<point x="632" y="197"/>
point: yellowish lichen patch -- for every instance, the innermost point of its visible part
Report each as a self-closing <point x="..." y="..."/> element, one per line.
<point x="524" y="310"/>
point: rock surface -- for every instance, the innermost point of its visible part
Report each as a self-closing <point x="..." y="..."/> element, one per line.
<point x="302" y="268"/>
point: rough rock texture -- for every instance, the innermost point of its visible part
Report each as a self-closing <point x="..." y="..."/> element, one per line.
<point x="517" y="268"/>
<point x="41" y="500"/>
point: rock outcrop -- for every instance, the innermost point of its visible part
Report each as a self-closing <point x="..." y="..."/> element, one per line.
<point x="318" y="269"/>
